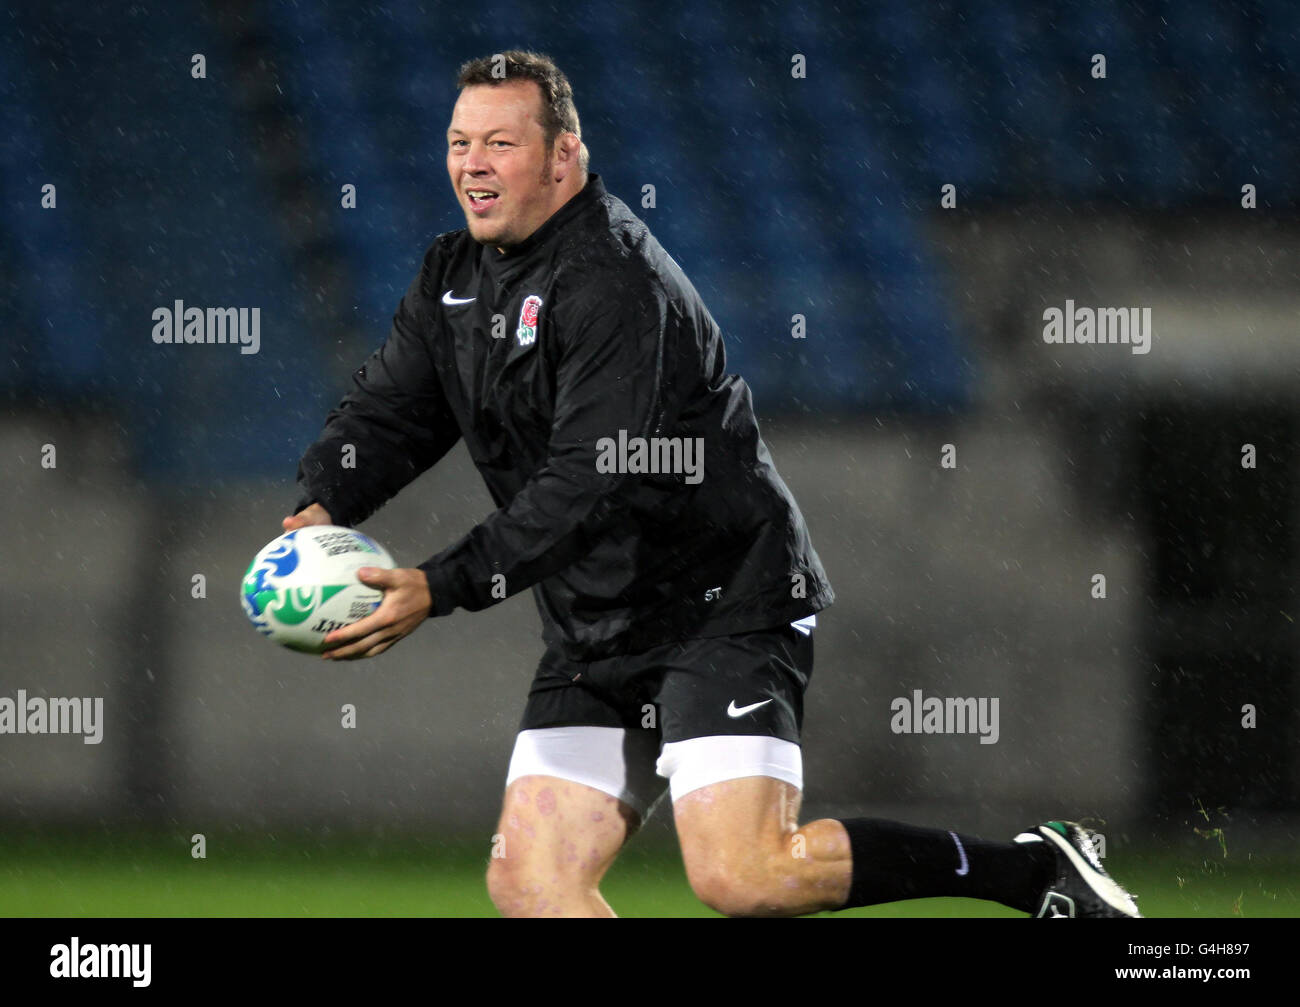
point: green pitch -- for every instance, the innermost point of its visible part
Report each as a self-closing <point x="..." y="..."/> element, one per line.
<point x="296" y="875"/>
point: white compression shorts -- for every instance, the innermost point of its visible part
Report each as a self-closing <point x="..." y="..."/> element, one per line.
<point x="632" y="766"/>
<point x="629" y="766"/>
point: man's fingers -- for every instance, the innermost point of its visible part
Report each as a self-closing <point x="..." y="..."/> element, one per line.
<point x="373" y="623"/>
<point x="353" y="639"/>
<point x="404" y="606"/>
<point x="377" y="576"/>
<point x="368" y="646"/>
<point x="315" y="514"/>
<point x="347" y="650"/>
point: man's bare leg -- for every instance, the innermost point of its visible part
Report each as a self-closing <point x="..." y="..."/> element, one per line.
<point x="557" y="840"/>
<point x="746" y="854"/>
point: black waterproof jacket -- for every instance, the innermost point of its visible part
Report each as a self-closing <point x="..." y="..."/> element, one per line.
<point x="634" y="493"/>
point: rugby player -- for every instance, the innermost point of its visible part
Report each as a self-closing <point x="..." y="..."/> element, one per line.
<point x="677" y="584"/>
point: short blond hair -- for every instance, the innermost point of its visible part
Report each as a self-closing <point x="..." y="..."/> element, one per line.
<point x="559" y="114"/>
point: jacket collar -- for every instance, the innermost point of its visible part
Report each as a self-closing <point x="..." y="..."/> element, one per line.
<point x="503" y="264"/>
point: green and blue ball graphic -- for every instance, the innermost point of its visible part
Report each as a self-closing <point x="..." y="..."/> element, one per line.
<point x="303" y="585"/>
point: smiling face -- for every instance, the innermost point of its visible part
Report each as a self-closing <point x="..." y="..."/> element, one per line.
<point x="506" y="178"/>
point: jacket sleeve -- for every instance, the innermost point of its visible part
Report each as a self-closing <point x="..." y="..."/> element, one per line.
<point x="610" y="376"/>
<point x="392" y="425"/>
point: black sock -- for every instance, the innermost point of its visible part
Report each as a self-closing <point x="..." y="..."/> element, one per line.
<point x="892" y="861"/>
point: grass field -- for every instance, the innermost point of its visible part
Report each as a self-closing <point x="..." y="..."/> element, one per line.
<point x="296" y="876"/>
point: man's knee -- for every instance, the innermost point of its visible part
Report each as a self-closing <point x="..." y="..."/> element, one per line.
<point x="752" y="886"/>
<point x="738" y="845"/>
<point x="535" y="884"/>
<point x="512" y="885"/>
<point x="555" y="841"/>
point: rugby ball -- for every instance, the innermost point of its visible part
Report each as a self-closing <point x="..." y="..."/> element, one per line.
<point x="304" y="585"/>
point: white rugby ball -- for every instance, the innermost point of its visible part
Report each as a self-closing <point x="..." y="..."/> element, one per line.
<point x="304" y="585"/>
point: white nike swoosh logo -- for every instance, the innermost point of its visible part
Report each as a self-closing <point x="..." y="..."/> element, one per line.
<point x="964" y="869"/>
<point x="448" y="299"/>
<point x="733" y="711"/>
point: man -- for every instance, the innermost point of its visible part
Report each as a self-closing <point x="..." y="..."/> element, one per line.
<point x="675" y="578"/>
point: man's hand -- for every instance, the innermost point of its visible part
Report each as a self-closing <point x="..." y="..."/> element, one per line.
<point x="311" y="514"/>
<point x="406" y="604"/>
